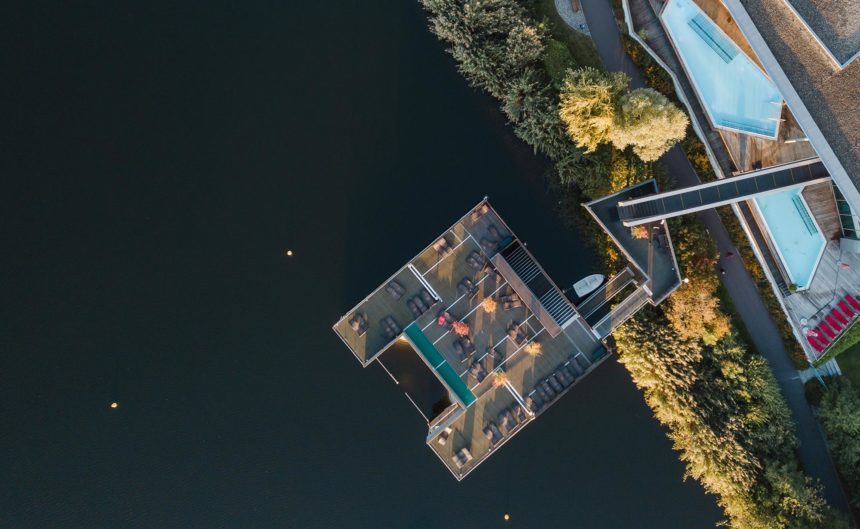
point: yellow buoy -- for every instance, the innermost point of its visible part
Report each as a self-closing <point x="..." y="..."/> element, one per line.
<point x="289" y="253"/>
<point x="507" y="517"/>
<point x="114" y="405"/>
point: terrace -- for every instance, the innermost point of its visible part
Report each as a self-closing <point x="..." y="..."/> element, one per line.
<point x="474" y="319"/>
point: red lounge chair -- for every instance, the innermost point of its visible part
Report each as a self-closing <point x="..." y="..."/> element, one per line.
<point x="838" y="315"/>
<point x="853" y="302"/>
<point x="846" y="309"/>
<point x="827" y="330"/>
<point x="814" y="344"/>
<point x="833" y="323"/>
<point x="821" y="338"/>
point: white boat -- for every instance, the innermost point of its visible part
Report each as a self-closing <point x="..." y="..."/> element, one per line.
<point x="587" y="285"/>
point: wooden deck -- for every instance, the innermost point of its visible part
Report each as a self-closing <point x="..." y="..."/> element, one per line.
<point x="829" y="285"/>
<point x="822" y="203"/>
<point x="749" y="152"/>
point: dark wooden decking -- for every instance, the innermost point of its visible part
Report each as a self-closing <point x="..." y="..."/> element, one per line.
<point x="821" y="202"/>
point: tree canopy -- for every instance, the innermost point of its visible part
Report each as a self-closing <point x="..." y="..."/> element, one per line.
<point x="597" y="108"/>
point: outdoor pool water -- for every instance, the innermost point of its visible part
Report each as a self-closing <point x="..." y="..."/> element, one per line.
<point x="735" y="92"/>
<point x="798" y="240"/>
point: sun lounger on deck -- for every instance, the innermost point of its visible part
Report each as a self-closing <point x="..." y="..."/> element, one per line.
<point x="815" y="345"/>
<point x="570" y="372"/>
<point x="519" y="413"/>
<point x="443" y="437"/>
<point x="852" y="301"/>
<point x="565" y="379"/>
<point x="574" y="365"/>
<point x="461" y="457"/>
<point x="420" y="304"/>
<point x="846" y="309"/>
<point x="554" y="384"/>
<point x="427" y="298"/>
<point x="821" y="338"/>
<point x="489" y="247"/>
<point x="583" y="363"/>
<point x="833" y="323"/>
<point x="839" y="316"/>
<point x="827" y="330"/>
<point x="542" y="395"/>
<point x="395" y="289"/>
<point x="413" y="307"/>
<point x="515" y="304"/>
<point x="549" y="391"/>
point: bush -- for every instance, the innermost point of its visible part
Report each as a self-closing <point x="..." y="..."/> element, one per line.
<point x="557" y="60"/>
<point x="840" y="416"/>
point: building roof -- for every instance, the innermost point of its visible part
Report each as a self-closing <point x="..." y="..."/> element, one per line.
<point x="834" y="23"/>
<point x="822" y="96"/>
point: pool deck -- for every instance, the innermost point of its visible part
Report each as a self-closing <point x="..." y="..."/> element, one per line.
<point x="503" y="371"/>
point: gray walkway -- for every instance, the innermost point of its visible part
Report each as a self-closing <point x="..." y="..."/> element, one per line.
<point x="814" y="455"/>
<point x="574" y="19"/>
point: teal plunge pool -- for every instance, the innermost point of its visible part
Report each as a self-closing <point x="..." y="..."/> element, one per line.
<point x="735" y="92"/>
<point x="794" y="232"/>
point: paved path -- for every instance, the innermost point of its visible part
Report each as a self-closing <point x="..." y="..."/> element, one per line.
<point x="814" y="455"/>
<point x="572" y="18"/>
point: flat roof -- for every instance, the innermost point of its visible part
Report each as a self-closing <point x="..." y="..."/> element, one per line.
<point x="654" y="260"/>
<point x="510" y="351"/>
<point x="822" y="97"/>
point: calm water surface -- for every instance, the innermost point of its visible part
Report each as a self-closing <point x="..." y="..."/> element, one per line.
<point x="157" y="161"/>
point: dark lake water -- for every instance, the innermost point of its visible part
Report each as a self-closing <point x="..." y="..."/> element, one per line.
<point x="157" y="159"/>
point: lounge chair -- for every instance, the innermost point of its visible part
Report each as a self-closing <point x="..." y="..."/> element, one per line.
<point x="512" y="420"/>
<point x="846" y="309"/>
<point x="480" y="211"/>
<point x="827" y="330"/>
<point x="420" y="304"/>
<point x="426" y="297"/>
<point x="570" y="372"/>
<point x="839" y="316"/>
<point x="823" y="339"/>
<point x="389" y="323"/>
<point x="563" y="377"/>
<point x="519" y="413"/>
<point x="531" y="404"/>
<point x="555" y="384"/>
<point x="574" y="366"/>
<point x="815" y="345"/>
<point x="833" y="323"/>
<point x="476" y="261"/>
<point x="514" y="304"/>
<point x="413" y="307"/>
<point x="495" y="430"/>
<point x="850" y="299"/>
<point x="395" y="289"/>
<point x="489" y="247"/>
<point x="583" y="362"/>
<point x="461" y="457"/>
<point x="542" y="394"/>
<point x="549" y="391"/>
<point x="443" y="437"/>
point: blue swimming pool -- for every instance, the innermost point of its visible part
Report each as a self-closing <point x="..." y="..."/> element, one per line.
<point x="735" y="92"/>
<point x="797" y="238"/>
